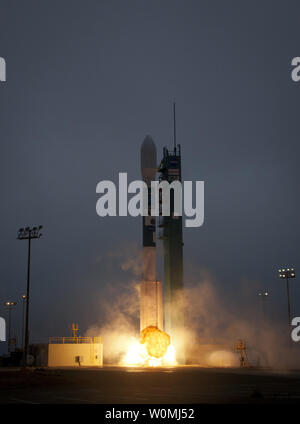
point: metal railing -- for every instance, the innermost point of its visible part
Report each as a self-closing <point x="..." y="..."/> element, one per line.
<point x="74" y="340"/>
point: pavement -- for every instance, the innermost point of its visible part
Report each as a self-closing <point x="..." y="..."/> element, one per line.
<point x="126" y="385"/>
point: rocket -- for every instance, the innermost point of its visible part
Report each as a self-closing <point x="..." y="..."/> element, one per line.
<point x="151" y="307"/>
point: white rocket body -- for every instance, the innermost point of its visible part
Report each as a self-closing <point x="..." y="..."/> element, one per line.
<point x="151" y="304"/>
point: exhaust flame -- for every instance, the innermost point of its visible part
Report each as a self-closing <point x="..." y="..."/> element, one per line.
<point x="153" y="350"/>
<point x="156" y="341"/>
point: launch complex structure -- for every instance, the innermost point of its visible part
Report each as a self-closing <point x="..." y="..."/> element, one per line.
<point x="161" y="306"/>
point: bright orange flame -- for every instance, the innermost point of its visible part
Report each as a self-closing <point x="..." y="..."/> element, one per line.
<point x="156" y="341"/>
<point x="153" y="350"/>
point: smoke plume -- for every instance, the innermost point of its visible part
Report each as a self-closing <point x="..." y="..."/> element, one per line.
<point x="213" y="324"/>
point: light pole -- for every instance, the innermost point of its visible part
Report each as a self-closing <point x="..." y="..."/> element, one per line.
<point x="28" y="234"/>
<point x="287" y="273"/>
<point x="263" y="296"/>
<point x="24" y="297"/>
<point x="9" y="305"/>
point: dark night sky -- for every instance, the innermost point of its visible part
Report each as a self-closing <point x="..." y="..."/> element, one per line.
<point x="86" y="81"/>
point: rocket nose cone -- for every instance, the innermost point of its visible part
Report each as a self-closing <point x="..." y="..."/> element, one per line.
<point x="148" y="159"/>
<point x="148" y="141"/>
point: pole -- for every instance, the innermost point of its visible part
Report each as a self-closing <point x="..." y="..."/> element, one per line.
<point x="23" y="319"/>
<point x="264" y="308"/>
<point x="9" y="327"/>
<point x="288" y="296"/>
<point x="27" y="305"/>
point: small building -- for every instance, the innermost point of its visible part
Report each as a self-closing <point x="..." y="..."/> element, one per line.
<point x="75" y="352"/>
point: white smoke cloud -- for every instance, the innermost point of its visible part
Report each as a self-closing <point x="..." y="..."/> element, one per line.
<point x="213" y="324"/>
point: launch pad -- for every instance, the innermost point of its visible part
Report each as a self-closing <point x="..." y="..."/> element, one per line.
<point x="121" y="385"/>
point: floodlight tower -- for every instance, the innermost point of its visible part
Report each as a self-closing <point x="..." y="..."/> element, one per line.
<point x="28" y="234"/>
<point x="23" y="318"/>
<point x="287" y="273"/>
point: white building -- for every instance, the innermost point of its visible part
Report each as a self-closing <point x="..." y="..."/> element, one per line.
<point x="75" y="352"/>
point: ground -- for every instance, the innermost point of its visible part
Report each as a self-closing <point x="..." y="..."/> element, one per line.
<point x="135" y="385"/>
